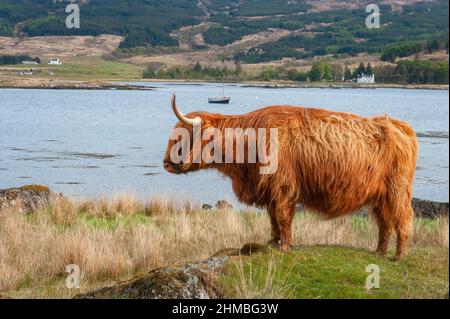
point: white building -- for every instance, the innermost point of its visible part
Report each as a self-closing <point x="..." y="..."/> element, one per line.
<point x="366" y="79"/>
<point x="55" y="61"/>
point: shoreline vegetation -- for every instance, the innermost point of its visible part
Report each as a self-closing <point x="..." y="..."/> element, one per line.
<point x="123" y="238"/>
<point x="103" y="75"/>
<point x="117" y="84"/>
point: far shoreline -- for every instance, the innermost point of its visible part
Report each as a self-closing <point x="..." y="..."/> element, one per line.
<point x="129" y="84"/>
<point x="301" y="85"/>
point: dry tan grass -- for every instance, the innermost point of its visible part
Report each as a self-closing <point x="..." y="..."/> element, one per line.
<point x="113" y="239"/>
<point x="60" y="46"/>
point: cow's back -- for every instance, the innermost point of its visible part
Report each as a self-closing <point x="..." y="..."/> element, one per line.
<point x="337" y="162"/>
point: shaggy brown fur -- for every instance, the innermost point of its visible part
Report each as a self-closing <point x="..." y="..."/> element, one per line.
<point x="332" y="163"/>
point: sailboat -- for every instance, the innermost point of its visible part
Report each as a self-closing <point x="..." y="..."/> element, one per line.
<point x="220" y="100"/>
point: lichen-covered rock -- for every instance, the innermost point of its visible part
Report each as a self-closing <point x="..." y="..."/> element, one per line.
<point x="426" y="208"/>
<point x="190" y="281"/>
<point x="26" y="198"/>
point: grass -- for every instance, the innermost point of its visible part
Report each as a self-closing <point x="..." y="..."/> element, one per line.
<point x="97" y="68"/>
<point x="337" y="272"/>
<point x="85" y="68"/>
<point x="114" y="239"/>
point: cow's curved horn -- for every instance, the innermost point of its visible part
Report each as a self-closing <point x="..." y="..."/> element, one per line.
<point x="181" y="116"/>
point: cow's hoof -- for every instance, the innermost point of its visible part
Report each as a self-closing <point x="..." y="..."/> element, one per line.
<point x="381" y="252"/>
<point x="399" y="256"/>
<point x="285" y="248"/>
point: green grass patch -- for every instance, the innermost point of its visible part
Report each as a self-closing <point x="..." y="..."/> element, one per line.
<point x="84" y="68"/>
<point x="337" y="272"/>
<point x="96" y="69"/>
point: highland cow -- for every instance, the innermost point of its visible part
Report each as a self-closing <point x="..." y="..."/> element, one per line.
<point x="332" y="163"/>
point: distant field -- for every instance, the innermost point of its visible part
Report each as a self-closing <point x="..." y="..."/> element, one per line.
<point x="82" y="57"/>
<point x="96" y="68"/>
<point x="80" y="68"/>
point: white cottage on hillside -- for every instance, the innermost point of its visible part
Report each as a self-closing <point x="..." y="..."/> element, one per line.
<point x="366" y="79"/>
<point x="55" y="61"/>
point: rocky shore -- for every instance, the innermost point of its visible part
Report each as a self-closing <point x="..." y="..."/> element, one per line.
<point x="57" y="84"/>
<point x="325" y="85"/>
<point x="47" y="83"/>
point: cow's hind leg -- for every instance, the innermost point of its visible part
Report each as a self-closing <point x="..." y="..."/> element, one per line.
<point x="284" y="217"/>
<point x="402" y="214"/>
<point x="275" y="228"/>
<point x="403" y="229"/>
<point x="385" y="223"/>
<point x="395" y="214"/>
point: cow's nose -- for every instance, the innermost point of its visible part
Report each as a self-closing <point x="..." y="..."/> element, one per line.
<point x="169" y="166"/>
<point x="166" y="164"/>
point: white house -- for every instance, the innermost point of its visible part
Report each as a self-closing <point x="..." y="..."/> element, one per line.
<point x="366" y="79"/>
<point x="55" y="61"/>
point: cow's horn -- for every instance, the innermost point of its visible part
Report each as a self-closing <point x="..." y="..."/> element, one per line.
<point x="181" y="116"/>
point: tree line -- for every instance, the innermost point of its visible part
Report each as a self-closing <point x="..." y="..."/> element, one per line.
<point x="17" y="59"/>
<point x="406" y="71"/>
<point x="197" y="72"/>
<point x="415" y="72"/>
<point x="410" y="48"/>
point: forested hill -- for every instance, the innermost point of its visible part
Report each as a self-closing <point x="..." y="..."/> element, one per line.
<point x="316" y="27"/>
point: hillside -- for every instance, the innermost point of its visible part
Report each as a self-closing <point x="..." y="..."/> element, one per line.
<point x="254" y="34"/>
<point x="317" y="27"/>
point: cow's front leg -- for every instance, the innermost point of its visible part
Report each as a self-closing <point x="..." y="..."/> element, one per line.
<point x="284" y="217"/>
<point x="275" y="228"/>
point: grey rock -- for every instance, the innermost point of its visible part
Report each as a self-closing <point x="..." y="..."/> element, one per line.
<point x="26" y="198"/>
<point x="430" y="209"/>
<point x="190" y="281"/>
